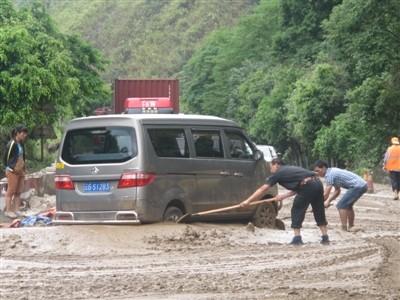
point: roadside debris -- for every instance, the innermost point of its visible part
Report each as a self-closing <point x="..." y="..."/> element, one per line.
<point x="37" y="198"/>
<point x="250" y="227"/>
<point x="44" y="218"/>
<point x="38" y="220"/>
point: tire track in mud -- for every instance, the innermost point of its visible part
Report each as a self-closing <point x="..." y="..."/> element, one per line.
<point x="388" y="273"/>
<point x="256" y="270"/>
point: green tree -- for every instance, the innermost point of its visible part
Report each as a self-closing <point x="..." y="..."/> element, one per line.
<point x="270" y="125"/>
<point x="301" y="32"/>
<point x="359" y="136"/>
<point x="43" y="71"/>
<point x="315" y="78"/>
<point x="317" y="98"/>
<point x="35" y="71"/>
<point x="200" y="92"/>
<point x="88" y="64"/>
<point x="241" y="68"/>
<point x="364" y="36"/>
<point x="215" y="72"/>
<point x="45" y="76"/>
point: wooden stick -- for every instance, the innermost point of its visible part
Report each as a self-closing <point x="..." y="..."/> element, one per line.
<point x="232" y="207"/>
<point x="207" y="212"/>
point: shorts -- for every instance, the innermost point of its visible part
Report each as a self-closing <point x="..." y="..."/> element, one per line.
<point x="351" y="196"/>
<point x="15" y="183"/>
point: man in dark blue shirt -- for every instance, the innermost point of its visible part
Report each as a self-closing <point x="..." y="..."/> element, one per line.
<point x="308" y="190"/>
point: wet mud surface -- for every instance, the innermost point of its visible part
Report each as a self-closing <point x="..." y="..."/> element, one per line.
<point x="207" y="261"/>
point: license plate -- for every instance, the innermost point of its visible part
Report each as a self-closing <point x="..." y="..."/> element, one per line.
<point x="96" y="187"/>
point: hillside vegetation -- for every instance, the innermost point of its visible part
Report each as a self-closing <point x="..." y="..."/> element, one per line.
<point x="143" y="38"/>
<point x="315" y="78"/>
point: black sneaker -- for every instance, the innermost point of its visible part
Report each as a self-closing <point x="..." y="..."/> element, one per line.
<point x="296" y="240"/>
<point x="325" y="239"/>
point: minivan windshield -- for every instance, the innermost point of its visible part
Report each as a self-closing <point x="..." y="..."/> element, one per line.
<point x="99" y="145"/>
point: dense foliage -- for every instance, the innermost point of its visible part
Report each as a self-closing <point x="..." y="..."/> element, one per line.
<point x="44" y="74"/>
<point x="143" y="38"/>
<point x="315" y="78"/>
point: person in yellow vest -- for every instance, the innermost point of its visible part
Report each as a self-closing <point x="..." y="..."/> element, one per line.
<point x="391" y="163"/>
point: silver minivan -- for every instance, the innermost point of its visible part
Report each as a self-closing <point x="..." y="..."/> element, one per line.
<point x="143" y="168"/>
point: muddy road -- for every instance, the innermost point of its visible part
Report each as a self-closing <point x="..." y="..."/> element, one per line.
<point x="207" y="261"/>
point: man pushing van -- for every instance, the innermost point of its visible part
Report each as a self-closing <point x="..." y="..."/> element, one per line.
<point x="308" y="190"/>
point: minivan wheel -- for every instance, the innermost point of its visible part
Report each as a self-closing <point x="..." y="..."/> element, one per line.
<point x="172" y="214"/>
<point x="265" y="216"/>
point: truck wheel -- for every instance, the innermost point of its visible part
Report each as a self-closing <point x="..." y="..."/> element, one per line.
<point x="265" y="216"/>
<point x="172" y="214"/>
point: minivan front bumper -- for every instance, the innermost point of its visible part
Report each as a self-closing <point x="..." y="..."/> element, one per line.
<point x="78" y="218"/>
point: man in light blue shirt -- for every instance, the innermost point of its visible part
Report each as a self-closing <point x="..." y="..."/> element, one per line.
<point x="339" y="178"/>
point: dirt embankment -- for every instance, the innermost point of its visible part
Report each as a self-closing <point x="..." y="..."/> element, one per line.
<point x="206" y="261"/>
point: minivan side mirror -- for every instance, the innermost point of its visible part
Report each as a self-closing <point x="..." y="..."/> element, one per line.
<point x="258" y="155"/>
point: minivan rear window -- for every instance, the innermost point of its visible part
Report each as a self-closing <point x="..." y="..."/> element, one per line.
<point x="99" y="145"/>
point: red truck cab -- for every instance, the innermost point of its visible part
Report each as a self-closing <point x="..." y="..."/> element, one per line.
<point x="159" y="105"/>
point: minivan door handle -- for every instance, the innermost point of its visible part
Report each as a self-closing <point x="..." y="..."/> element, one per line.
<point x="238" y="174"/>
<point x="224" y="173"/>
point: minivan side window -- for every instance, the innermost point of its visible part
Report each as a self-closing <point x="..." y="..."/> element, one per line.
<point x="207" y="143"/>
<point x="169" y="142"/>
<point x="239" y="147"/>
<point x="99" y="145"/>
